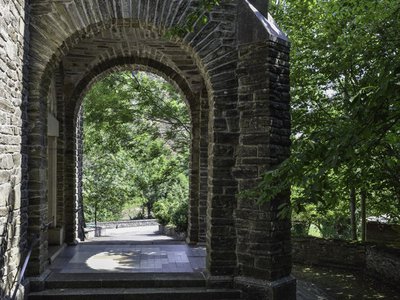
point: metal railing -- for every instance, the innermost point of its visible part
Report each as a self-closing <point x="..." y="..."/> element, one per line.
<point x="20" y="274"/>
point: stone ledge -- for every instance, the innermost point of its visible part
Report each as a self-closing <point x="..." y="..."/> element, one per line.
<point x="169" y="230"/>
<point x="257" y="289"/>
<point x="127" y="223"/>
<point x="374" y="260"/>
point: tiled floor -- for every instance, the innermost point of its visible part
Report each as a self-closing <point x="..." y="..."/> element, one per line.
<point x="133" y="256"/>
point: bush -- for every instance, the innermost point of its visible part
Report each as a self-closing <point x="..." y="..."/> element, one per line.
<point x="173" y="213"/>
<point x="179" y="216"/>
<point x="173" y="209"/>
<point x="162" y="212"/>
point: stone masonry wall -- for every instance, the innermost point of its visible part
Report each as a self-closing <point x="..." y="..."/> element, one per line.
<point x="263" y="238"/>
<point x="244" y="128"/>
<point x="13" y="197"/>
<point x="375" y="260"/>
<point x="99" y="39"/>
<point x="331" y="253"/>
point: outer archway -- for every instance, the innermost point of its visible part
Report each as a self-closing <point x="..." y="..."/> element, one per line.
<point x="234" y="71"/>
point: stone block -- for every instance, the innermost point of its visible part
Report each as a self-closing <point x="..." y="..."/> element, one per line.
<point x="56" y="236"/>
<point x="284" y="288"/>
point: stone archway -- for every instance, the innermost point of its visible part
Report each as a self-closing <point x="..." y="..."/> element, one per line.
<point x="196" y="108"/>
<point x="234" y="73"/>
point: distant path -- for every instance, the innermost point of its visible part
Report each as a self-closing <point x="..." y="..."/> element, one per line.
<point x="140" y="234"/>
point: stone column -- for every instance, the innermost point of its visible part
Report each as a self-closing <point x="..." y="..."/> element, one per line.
<point x="194" y="184"/>
<point x="222" y="186"/>
<point x="60" y="151"/>
<point x="202" y="208"/>
<point x="79" y="176"/>
<point x="70" y="181"/>
<point x="52" y="179"/>
<point x="263" y="239"/>
<point x="37" y="169"/>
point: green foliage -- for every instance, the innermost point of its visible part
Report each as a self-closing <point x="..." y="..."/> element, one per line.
<point x="105" y="188"/>
<point x="136" y="138"/>
<point x="163" y="212"/>
<point x="198" y="17"/>
<point x="173" y="209"/>
<point x="345" y="78"/>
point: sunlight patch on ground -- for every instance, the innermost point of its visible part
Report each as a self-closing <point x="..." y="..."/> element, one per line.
<point x="106" y="261"/>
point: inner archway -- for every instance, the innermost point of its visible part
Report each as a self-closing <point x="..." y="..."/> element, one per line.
<point x="136" y="148"/>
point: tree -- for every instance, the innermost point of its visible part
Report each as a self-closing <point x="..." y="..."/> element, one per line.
<point x="345" y="78"/>
<point x="136" y="138"/>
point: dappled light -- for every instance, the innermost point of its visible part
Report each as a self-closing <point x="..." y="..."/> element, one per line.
<point x="341" y="284"/>
<point x="113" y="261"/>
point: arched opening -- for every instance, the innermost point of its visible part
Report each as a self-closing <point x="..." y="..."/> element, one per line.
<point x="199" y="127"/>
<point x="136" y="147"/>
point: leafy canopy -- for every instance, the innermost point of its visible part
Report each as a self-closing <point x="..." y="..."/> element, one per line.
<point x="345" y="78"/>
<point x="136" y="143"/>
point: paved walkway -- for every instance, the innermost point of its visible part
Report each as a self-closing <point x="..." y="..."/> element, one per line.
<point x="142" y="250"/>
<point x="131" y="235"/>
<point x="131" y="250"/>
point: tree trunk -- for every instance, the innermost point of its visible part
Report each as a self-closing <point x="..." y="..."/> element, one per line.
<point x="95" y="214"/>
<point x="363" y="214"/>
<point x="148" y="210"/>
<point x="353" y="214"/>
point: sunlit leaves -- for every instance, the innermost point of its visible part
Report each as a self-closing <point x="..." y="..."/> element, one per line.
<point x="345" y="104"/>
<point x="136" y="133"/>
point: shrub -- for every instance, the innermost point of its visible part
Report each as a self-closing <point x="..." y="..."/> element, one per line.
<point x="162" y="212"/>
<point x="179" y="216"/>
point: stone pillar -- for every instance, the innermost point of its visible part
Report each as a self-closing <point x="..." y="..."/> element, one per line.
<point x="52" y="180"/>
<point x="70" y="179"/>
<point x="37" y="169"/>
<point x="194" y="184"/>
<point x="222" y="187"/>
<point x="263" y="239"/>
<point x="60" y="151"/>
<point x="55" y="230"/>
<point x="80" y="218"/>
<point x="202" y="208"/>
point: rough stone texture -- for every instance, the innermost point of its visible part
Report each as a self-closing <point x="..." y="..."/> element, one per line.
<point x="13" y="95"/>
<point x="375" y="260"/>
<point x="263" y="240"/>
<point x="263" y="246"/>
<point x="330" y="253"/>
<point x="233" y="73"/>
<point x="128" y="223"/>
<point x="79" y="176"/>
<point x="384" y="264"/>
<point x="383" y="233"/>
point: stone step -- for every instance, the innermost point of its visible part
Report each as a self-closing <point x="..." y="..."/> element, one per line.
<point x="124" y="280"/>
<point x="194" y="293"/>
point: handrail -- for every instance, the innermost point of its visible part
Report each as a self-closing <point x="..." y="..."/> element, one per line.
<point x="24" y="266"/>
<point x="21" y="274"/>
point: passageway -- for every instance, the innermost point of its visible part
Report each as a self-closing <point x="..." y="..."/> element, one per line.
<point x="131" y="250"/>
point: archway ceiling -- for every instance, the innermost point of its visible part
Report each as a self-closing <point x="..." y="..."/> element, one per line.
<point x="82" y="34"/>
<point x="119" y="42"/>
